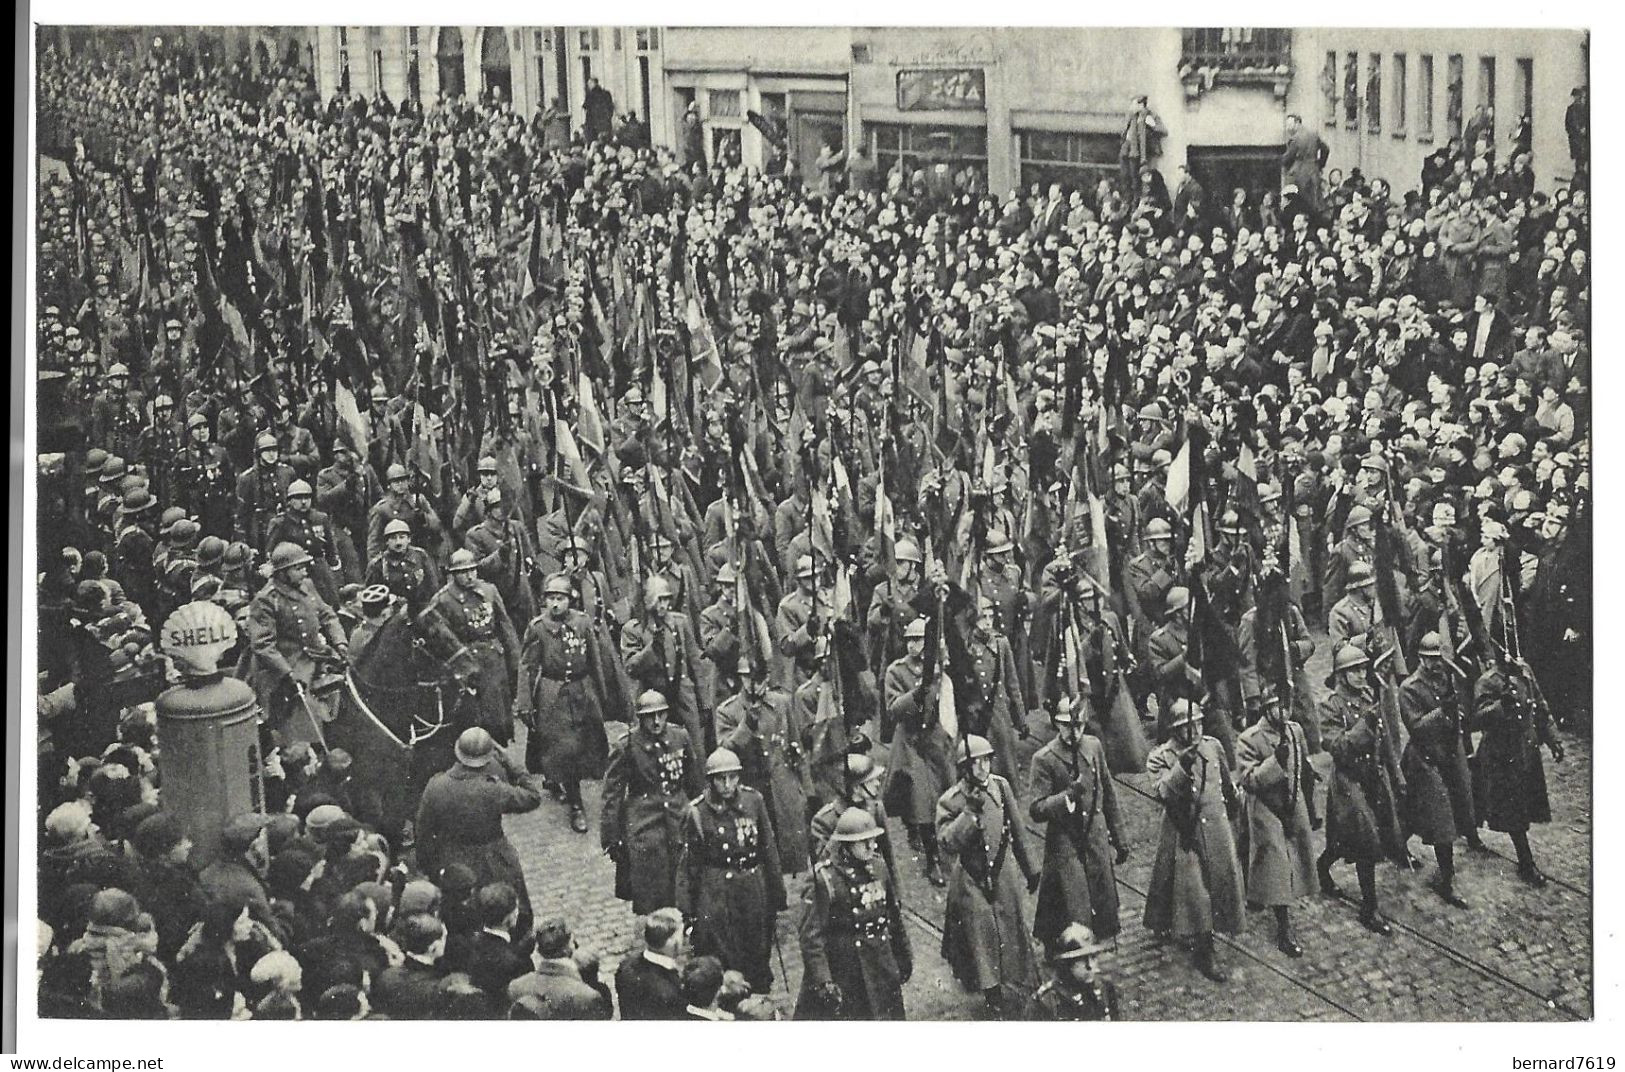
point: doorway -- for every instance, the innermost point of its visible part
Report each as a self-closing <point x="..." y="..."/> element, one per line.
<point x="496" y="72"/>
<point x="449" y="57"/>
<point x="1222" y="169"/>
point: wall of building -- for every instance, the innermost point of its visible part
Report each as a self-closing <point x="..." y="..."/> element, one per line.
<point x="1395" y="150"/>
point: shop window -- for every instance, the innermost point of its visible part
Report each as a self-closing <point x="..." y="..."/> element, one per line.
<point x="1075" y="160"/>
<point x="914" y="147"/>
<point x="723" y="104"/>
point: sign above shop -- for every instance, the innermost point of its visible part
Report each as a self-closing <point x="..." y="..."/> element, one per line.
<point x="942" y="89"/>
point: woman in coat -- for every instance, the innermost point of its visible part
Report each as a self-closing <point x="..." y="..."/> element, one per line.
<point x="984" y="933"/>
<point x="1272" y="762"/>
<point x="1196" y="885"/>
<point x="1507" y="772"/>
<point x="1074" y="796"/>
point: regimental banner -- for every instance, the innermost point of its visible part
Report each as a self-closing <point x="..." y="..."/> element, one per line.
<point x="942" y="89"/>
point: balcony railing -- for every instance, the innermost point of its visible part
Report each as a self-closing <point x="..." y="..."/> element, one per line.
<point x="1236" y="56"/>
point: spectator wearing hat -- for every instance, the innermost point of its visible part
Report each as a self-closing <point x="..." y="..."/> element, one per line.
<point x="556" y="988"/>
<point x="238" y="874"/>
<point x="1075" y="990"/>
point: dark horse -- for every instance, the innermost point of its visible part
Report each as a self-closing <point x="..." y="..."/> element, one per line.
<point x="390" y="717"/>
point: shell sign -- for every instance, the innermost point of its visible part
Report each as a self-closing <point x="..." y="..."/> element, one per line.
<point x="197" y="635"/>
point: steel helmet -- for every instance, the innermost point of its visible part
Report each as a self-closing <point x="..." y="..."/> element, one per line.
<point x="727" y="574"/>
<point x="804" y="566"/>
<point x="286" y="555"/>
<point x="119" y="371"/>
<point x="475" y="747"/>
<point x="462" y="560"/>
<point x="1182" y="712"/>
<point x="211" y="550"/>
<point x="652" y="702"/>
<point x="998" y="542"/>
<point x="1360" y="576"/>
<point x="1179" y="597"/>
<point x="1348" y="657"/>
<point x="855" y="824"/>
<point x="170" y="516"/>
<point x="1161" y="458"/>
<point x="558" y="584"/>
<point x="1151" y="411"/>
<point x="300" y="489"/>
<point x="397" y="526"/>
<point x="1158" y="529"/>
<point x="656" y="588"/>
<point x="1269" y="493"/>
<point x="396" y="472"/>
<point x="972" y="747"/>
<point x="1358" y="515"/>
<point x="722" y="761"/>
<point x="915" y="629"/>
<point x="197" y="420"/>
<point x="907" y="551"/>
<point x="137" y="499"/>
<point x="265" y="441"/>
<point x="1431" y="644"/>
<point x="112" y="470"/>
<point x="487" y="464"/>
<point x="1230" y="523"/>
<point x="380" y="393"/>
<point x="861" y="768"/>
<point x="163" y="402"/>
<point x="1077" y="940"/>
<point x="633" y="396"/>
<point x="1067" y="710"/>
<point x="95" y="459"/>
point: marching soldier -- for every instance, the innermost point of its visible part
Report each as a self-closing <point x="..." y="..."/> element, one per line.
<point x="295" y="442"/>
<point x="1075" y="991"/>
<point x="659" y="653"/>
<point x="719" y="638"/>
<point x="653" y="772"/>
<point x="1196" y="887"/>
<point x="1178" y="679"/>
<point x="855" y="952"/>
<point x="261" y="491"/>
<point x="921" y="770"/>
<point x="728" y="877"/>
<point x="891" y="605"/>
<point x="1151" y="575"/>
<point x="1358" y="547"/>
<point x="1439" y="804"/>
<point x="313" y="531"/>
<point x="984" y="933"/>
<point x="471" y="506"/>
<point x="203" y="480"/>
<point x="998" y="709"/>
<point x="291" y="632"/>
<point x="1507" y="763"/>
<point x="503" y="550"/>
<point x="563" y="684"/>
<point x="116" y="416"/>
<point x="158" y="447"/>
<point x="1362" y="804"/>
<point x="346" y="490"/>
<point x="1354" y="618"/>
<point x="401" y="503"/>
<point x="1074" y="796"/>
<point x="761" y="726"/>
<point x="1278" y="813"/>
<point x="404" y="568"/>
<point x="797" y="624"/>
<point x="1299" y="647"/>
<point x="861" y="788"/>
<point x="469" y="624"/>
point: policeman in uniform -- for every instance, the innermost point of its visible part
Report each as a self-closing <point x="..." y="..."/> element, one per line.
<point x="404" y="568"/>
<point x="563" y="687"/>
<point x="1076" y="991"/>
<point x="469" y="625"/>
<point x="728" y="877"/>
<point x="855" y="952"/>
<point x="261" y="491"/>
<point x="1075" y="797"/>
<point x="401" y="503"/>
<point x="653" y="773"/>
<point x="290" y="631"/>
<point x="312" y="530"/>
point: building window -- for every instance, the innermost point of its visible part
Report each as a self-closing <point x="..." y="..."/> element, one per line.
<point x="1373" y="93"/>
<point x="344" y="36"/>
<point x="1351" y="90"/>
<point x="1452" y="97"/>
<point x="1424" y="98"/>
<point x="1076" y="161"/>
<point x="615" y="37"/>
<point x="1328" y="88"/>
<point x="1526" y="91"/>
<point x="916" y="147"/>
<point x="589" y="40"/>
<point x="542" y="40"/>
<point x="1401" y="105"/>
<point x="644" y="88"/>
<point x="722" y="104"/>
<point x="414" y="81"/>
<point x="648" y="38"/>
<point x="1236" y="48"/>
<point x="377" y="72"/>
<point x="1486" y="81"/>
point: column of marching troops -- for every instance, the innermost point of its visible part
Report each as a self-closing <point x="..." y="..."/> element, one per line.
<point x="801" y="680"/>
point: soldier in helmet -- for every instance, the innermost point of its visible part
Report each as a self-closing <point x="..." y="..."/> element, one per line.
<point x="1358" y="547"/>
<point x="467" y="625"/>
<point x="563" y="688"/>
<point x="653" y="773"/>
<point x="134" y="544"/>
<point x="1507" y="765"/>
<point x="158" y="446"/>
<point x="471" y="505"/>
<point x="291" y="631"/>
<point x="117" y="416"/>
<point x="1150" y="576"/>
<point x="404" y="568"/>
<point x="1196" y="881"/>
<point x="1076" y="991"/>
<point x="1356" y="617"/>
<point x="985" y="931"/>
<point x="891" y="607"/>
<point x="204" y="483"/>
<point x="312" y="530"/>
<point x="1362" y="803"/>
<point x="1151" y="428"/>
<point x="1278" y="811"/>
<point x="1439" y="805"/>
<point x="797" y="624"/>
<point x="855" y="952"/>
<point x="659" y="652"/>
<point x="862" y="783"/>
<point x="261" y="491"/>
<point x="1074" y="796"/>
<point x="505" y="554"/>
<point x="1293" y="647"/>
<point x="297" y="444"/>
<point x="719" y="638"/>
<point x="401" y="503"/>
<point x="346" y="490"/>
<point x="728" y="877"/>
<point x="921" y="765"/>
<point x="995" y="708"/>
<point x="762" y="727"/>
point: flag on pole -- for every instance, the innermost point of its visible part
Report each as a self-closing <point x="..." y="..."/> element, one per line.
<point x="1179" y="478"/>
<point x="947" y="707"/>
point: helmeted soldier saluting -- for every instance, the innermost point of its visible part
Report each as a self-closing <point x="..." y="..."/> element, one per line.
<point x="728" y="878"/>
<point x="653" y="773"/>
<point x="855" y="952"/>
<point x="504" y="554"/>
<point x="401" y="503"/>
<point x="404" y="568"/>
<point x="260" y="493"/>
<point x="1074" y="796"/>
<point x="313" y="531"/>
<point x="291" y="631"/>
<point x="563" y="687"/>
<point x="467" y="625"/>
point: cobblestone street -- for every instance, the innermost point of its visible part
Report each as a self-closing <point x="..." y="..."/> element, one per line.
<point x="1515" y="953"/>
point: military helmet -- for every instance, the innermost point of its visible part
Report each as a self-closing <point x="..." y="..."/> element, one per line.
<point x="475" y="747"/>
<point x="1348" y="657"/>
<point x="113" y="470"/>
<point x="1158" y="529"/>
<point x="1230" y="523"/>
<point x="915" y="629"/>
<point x="652" y="702"/>
<point x="163" y="402"/>
<point x="1432" y="644"/>
<point x="1358" y="515"/>
<point x="1077" y="940"/>
<point x="300" y="488"/>
<point x="197" y="420"/>
<point x="287" y="554"/>
<point x="265" y="441"/>
<point x="722" y="761"/>
<point x="1068" y="710"/>
<point x="998" y="542"/>
<point x="855" y="824"/>
<point x="138" y="499"/>
<point x="487" y="464"/>
<point x="972" y="747"/>
<point x="396" y="472"/>
<point x="726" y="574"/>
<point x="657" y="588"/>
<point x="462" y="560"/>
<point x="170" y="515"/>
<point x="1179" y="597"/>
<point x="210" y="550"/>
<point x="398" y="525"/>
<point x="119" y="371"/>
<point x="1151" y="411"/>
<point x="1360" y="576"/>
<point x="95" y="459"/>
<point x="861" y="768"/>
<point x="804" y="566"/>
<point x="907" y="551"/>
<point x="1183" y="712"/>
